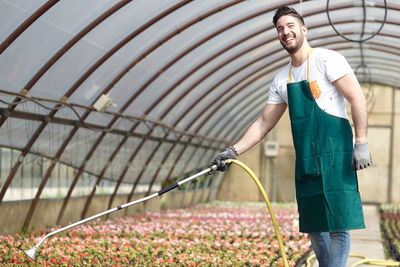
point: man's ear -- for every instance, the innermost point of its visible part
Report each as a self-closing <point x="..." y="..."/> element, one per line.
<point x="304" y="29"/>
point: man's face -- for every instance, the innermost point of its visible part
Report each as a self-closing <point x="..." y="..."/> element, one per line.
<point x="291" y="33"/>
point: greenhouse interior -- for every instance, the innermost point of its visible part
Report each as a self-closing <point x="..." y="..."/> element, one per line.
<point x="117" y="118"/>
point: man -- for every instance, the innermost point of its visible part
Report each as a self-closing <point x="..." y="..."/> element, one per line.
<point x="315" y="86"/>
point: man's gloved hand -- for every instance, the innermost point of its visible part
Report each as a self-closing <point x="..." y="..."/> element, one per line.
<point x="229" y="153"/>
<point x="361" y="157"/>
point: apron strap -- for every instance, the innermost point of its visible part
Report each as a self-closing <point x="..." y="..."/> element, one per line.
<point x="308" y="66"/>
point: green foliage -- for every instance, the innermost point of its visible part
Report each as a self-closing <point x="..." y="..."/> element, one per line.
<point x="390" y="229"/>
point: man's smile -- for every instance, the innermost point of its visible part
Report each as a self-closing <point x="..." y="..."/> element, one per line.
<point x="288" y="39"/>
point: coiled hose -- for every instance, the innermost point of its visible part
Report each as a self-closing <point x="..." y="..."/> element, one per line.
<point x="364" y="260"/>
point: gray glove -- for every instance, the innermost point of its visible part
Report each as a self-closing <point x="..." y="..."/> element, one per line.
<point x="229" y="153"/>
<point x="361" y="157"/>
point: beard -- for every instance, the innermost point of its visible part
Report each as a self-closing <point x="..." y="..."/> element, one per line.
<point x="294" y="48"/>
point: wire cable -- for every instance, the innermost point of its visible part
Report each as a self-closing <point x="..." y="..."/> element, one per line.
<point x="361" y="40"/>
<point x="58" y="105"/>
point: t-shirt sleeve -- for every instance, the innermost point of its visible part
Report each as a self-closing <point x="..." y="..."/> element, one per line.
<point x="336" y="66"/>
<point x="273" y="95"/>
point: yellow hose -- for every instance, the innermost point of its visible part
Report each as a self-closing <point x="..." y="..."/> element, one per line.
<point x="375" y="262"/>
<point x="364" y="260"/>
<point x="260" y="187"/>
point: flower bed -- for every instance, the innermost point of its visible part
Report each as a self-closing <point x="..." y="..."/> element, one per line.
<point x="212" y="234"/>
<point x="390" y="227"/>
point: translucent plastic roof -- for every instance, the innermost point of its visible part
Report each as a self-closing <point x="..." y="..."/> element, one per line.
<point x="186" y="77"/>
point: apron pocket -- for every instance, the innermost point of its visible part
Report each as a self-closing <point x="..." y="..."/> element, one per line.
<point x="308" y="168"/>
<point x="317" y="164"/>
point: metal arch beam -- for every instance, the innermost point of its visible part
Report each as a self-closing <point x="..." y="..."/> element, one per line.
<point x="52" y="113"/>
<point x="379" y="66"/>
<point x="73" y="41"/>
<point x="33" y="81"/>
<point x="386" y="81"/>
<point x="96" y="65"/>
<point x="95" y="127"/>
<point x="376" y="58"/>
<point x="187" y="51"/>
<point x="62" y="51"/>
<point x="143" y="87"/>
<point x="167" y="37"/>
<point x="204" y="40"/>
<point x="389" y="6"/>
<point x="25" y="25"/>
<point x="75" y="86"/>
<point x="233" y="93"/>
<point x="382" y="73"/>
<point x="141" y="57"/>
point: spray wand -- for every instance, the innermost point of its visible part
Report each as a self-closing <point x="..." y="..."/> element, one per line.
<point x="31" y="253"/>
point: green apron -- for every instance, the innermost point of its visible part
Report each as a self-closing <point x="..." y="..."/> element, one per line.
<point x="326" y="185"/>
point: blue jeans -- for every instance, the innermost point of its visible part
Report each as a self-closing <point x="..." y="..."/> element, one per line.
<point x="331" y="249"/>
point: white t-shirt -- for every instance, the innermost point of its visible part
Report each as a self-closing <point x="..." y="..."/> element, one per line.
<point x="325" y="67"/>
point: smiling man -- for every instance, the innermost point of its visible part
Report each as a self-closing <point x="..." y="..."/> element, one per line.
<point x="314" y="86"/>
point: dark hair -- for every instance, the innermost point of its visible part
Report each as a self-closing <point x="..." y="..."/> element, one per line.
<point x="286" y="11"/>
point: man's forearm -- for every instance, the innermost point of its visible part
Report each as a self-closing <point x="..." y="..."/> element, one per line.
<point x="349" y="87"/>
<point x="360" y="119"/>
<point x="260" y="128"/>
<point x="254" y="134"/>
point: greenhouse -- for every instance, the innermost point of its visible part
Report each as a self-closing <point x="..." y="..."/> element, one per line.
<point x="199" y="132"/>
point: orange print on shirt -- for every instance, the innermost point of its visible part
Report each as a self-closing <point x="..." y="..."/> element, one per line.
<point x="315" y="91"/>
